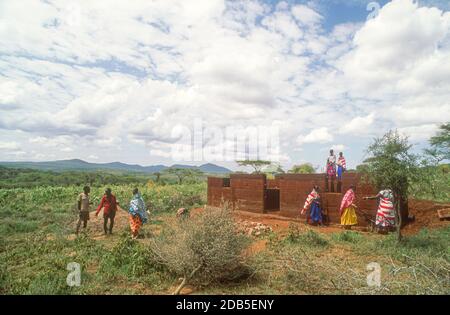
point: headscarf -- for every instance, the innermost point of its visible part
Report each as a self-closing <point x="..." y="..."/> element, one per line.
<point x="137" y="207"/>
<point x="348" y="200"/>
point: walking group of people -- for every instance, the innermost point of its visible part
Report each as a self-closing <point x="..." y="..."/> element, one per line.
<point x="385" y="217"/>
<point x="137" y="211"/>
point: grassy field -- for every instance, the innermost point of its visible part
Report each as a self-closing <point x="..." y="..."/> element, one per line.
<point x="37" y="243"/>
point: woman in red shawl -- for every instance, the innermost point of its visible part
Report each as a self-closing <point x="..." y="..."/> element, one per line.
<point x="348" y="209"/>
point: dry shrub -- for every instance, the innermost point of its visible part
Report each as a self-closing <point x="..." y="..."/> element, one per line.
<point x="203" y="249"/>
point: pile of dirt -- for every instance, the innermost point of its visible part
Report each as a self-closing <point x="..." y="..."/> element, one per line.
<point x="253" y="228"/>
<point x="425" y="214"/>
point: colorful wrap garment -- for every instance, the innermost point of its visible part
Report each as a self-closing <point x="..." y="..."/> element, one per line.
<point x="385" y="214"/>
<point x="135" y="224"/>
<point x="331" y="166"/>
<point x="138" y="208"/>
<point x="313" y="201"/>
<point x="138" y="213"/>
<point x="347" y="210"/>
<point x="341" y="167"/>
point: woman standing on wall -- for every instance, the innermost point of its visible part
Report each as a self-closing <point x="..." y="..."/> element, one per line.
<point x="331" y="171"/>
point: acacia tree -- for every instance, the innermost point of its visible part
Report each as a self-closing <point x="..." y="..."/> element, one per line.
<point x="392" y="165"/>
<point x="255" y="164"/>
<point x="158" y="176"/>
<point x="305" y="168"/>
<point x="434" y="179"/>
<point x="440" y="143"/>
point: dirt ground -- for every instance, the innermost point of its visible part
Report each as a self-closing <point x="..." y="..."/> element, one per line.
<point x="424" y="211"/>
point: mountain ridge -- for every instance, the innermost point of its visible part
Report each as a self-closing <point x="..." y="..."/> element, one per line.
<point x="78" y="164"/>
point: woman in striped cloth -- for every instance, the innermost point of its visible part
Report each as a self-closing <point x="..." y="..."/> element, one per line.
<point x="341" y="165"/>
<point x="313" y="202"/>
<point x="348" y="209"/>
<point x="385" y="219"/>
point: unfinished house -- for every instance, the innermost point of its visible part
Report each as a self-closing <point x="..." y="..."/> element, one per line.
<point x="286" y="194"/>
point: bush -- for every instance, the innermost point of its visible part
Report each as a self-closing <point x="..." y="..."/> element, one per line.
<point x="206" y="248"/>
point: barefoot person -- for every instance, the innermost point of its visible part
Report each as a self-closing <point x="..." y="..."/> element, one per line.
<point x="341" y="166"/>
<point x="331" y="171"/>
<point x="138" y="213"/>
<point x="385" y="219"/>
<point x="83" y="208"/>
<point x="348" y="209"/>
<point x="109" y="205"/>
<point x="313" y="203"/>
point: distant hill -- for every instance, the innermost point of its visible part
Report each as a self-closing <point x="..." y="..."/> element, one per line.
<point x="80" y="165"/>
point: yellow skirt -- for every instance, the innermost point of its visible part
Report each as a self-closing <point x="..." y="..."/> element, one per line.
<point x="349" y="217"/>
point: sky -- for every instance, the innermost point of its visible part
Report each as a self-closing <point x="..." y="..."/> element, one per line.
<point x="138" y="81"/>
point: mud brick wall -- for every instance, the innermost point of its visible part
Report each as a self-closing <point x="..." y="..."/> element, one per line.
<point x="273" y="184"/>
<point x="330" y="205"/>
<point x="248" y="192"/>
<point x="294" y="188"/>
<point x="217" y="193"/>
<point x="256" y="194"/>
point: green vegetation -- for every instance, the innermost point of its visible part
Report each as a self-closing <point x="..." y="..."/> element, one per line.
<point x="27" y="178"/>
<point x="305" y="168"/>
<point x="391" y="165"/>
<point x="36" y="246"/>
<point x="36" y="225"/>
<point x="440" y="143"/>
<point x="183" y="173"/>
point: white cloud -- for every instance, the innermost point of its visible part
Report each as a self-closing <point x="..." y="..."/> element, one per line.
<point x="358" y="125"/>
<point x="306" y="15"/>
<point x="117" y="78"/>
<point x="338" y="147"/>
<point x="9" y="146"/>
<point x="319" y="135"/>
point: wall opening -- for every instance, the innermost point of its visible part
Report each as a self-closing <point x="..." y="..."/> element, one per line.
<point x="272" y="200"/>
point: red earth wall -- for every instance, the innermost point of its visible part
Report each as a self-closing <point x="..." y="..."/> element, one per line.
<point x="255" y="193"/>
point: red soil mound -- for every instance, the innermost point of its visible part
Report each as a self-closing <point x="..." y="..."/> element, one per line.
<point x="425" y="213"/>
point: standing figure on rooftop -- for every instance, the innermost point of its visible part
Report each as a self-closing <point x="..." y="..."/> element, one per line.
<point x="313" y="202"/>
<point x="348" y="209"/>
<point x="341" y="166"/>
<point x="331" y="170"/>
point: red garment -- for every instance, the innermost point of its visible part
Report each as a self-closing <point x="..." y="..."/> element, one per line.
<point x="109" y="204"/>
<point x="348" y="200"/>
